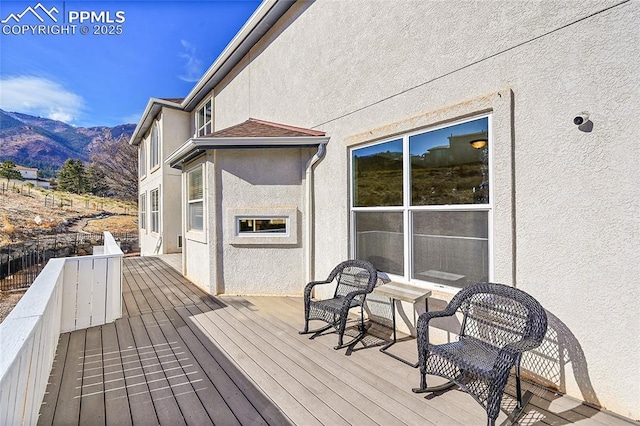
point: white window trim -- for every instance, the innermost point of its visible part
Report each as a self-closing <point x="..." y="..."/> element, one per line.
<point x="200" y="126"/>
<point x="151" y="211"/>
<point x="193" y="234"/>
<point x="142" y="208"/>
<point x="406" y="208"/>
<point x="259" y="234"/>
<point x="155" y="129"/>
<point x="290" y="214"/>
<point x="142" y="161"/>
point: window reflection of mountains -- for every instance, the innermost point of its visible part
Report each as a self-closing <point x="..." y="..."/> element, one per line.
<point x="455" y="173"/>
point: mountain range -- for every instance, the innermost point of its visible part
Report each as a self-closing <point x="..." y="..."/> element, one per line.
<point x="46" y="144"/>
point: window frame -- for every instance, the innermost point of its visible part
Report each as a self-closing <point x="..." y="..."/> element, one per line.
<point x="200" y="128"/>
<point x="142" y="160"/>
<point x="152" y="212"/>
<point x="263" y="234"/>
<point x="142" y="209"/>
<point x="190" y="202"/>
<point x="154" y="147"/>
<point x="407" y="209"/>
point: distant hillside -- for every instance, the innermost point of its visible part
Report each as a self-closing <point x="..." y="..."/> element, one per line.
<point x="47" y="144"/>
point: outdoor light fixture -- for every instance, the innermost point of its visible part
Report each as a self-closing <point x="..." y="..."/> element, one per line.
<point x="478" y="143"/>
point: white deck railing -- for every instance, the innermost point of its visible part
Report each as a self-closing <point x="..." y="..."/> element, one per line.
<point x="69" y="294"/>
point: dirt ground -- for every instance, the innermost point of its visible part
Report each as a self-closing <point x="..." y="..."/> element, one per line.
<point x="27" y="212"/>
<point x="8" y="301"/>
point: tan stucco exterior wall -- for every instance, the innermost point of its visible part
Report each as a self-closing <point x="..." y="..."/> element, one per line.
<point x="174" y="131"/>
<point x="566" y="225"/>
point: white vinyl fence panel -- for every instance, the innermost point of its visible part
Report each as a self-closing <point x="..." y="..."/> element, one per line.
<point x="69" y="294"/>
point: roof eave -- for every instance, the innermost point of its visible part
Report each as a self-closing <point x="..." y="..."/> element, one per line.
<point x="150" y="112"/>
<point x="195" y="146"/>
<point x="267" y="14"/>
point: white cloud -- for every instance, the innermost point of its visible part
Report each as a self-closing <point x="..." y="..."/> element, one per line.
<point x="41" y="97"/>
<point x="193" y="66"/>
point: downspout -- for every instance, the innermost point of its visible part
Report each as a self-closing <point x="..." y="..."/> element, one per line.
<point x="310" y="210"/>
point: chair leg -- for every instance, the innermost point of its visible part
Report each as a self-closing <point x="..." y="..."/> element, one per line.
<point x="315" y="332"/>
<point x="523" y="400"/>
<point x="423" y="386"/>
<point x="363" y="331"/>
<point x="518" y="387"/>
<point x="305" y="330"/>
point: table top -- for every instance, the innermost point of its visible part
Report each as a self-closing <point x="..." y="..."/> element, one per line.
<point x="404" y="292"/>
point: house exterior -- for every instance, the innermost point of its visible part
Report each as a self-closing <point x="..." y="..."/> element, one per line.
<point x="30" y="174"/>
<point x="499" y="147"/>
<point x="164" y="129"/>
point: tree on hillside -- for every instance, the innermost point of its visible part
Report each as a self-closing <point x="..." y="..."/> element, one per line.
<point x="96" y="182"/>
<point x="118" y="162"/>
<point x="8" y="171"/>
<point x="72" y="177"/>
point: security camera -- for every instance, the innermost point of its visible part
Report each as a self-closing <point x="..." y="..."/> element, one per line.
<point x="581" y="119"/>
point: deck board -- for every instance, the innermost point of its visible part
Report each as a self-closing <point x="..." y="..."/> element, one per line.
<point x="67" y="409"/>
<point x="92" y="403"/>
<point x="116" y="402"/>
<point x="180" y="356"/>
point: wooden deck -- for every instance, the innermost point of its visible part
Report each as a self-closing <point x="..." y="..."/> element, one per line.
<point x="180" y="356"/>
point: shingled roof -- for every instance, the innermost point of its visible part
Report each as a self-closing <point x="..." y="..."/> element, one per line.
<point x="253" y="128"/>
<point x="250" y="134"/>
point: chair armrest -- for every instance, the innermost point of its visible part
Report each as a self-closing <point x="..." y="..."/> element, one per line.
<point x="350" y="296"/>
<point x="309" y="287"/>
<point x="521" y="346"/>
<point x="422" y="326"/>
<point x="425" y="317"/>
<point x="509" y="354"/>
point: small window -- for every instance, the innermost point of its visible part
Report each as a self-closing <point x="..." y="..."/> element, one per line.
<point x="142" y="207"/>
<point x="269" y="226"/>
<point x="204" y="118"/>
<point x="195" y="199"/>
<point x="155" y="211"/>
<point x="155" y="146"/>
<point x="262" y="225"/>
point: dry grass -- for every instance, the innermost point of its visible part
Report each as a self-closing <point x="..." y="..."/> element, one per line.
<point x="120" y="224"/>
<point x="24" y="215"/>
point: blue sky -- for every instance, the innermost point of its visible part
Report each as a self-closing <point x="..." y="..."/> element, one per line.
<point x="104" y="80"/>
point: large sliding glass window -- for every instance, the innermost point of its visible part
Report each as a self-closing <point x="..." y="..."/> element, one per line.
<point x="420" y="204"/>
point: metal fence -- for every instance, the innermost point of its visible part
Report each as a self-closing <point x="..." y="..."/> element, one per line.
<point x="21" y="263"/>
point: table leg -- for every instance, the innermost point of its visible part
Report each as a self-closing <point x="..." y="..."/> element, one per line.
<point x="393" y="342"/>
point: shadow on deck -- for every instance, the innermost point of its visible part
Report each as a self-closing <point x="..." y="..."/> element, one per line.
<point x="180" y="356"/>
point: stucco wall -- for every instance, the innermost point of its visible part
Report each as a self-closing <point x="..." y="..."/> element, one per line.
<point x="266" y="182"/>
<point x="199" y="253"/>
<point x="151" y="181"/>
<point x="349" y="68"/>
<point x="174" y="131"/>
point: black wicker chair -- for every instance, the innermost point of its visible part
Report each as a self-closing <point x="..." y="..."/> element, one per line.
<point x="354" y="279"/>
<point x="499" y="323"/>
